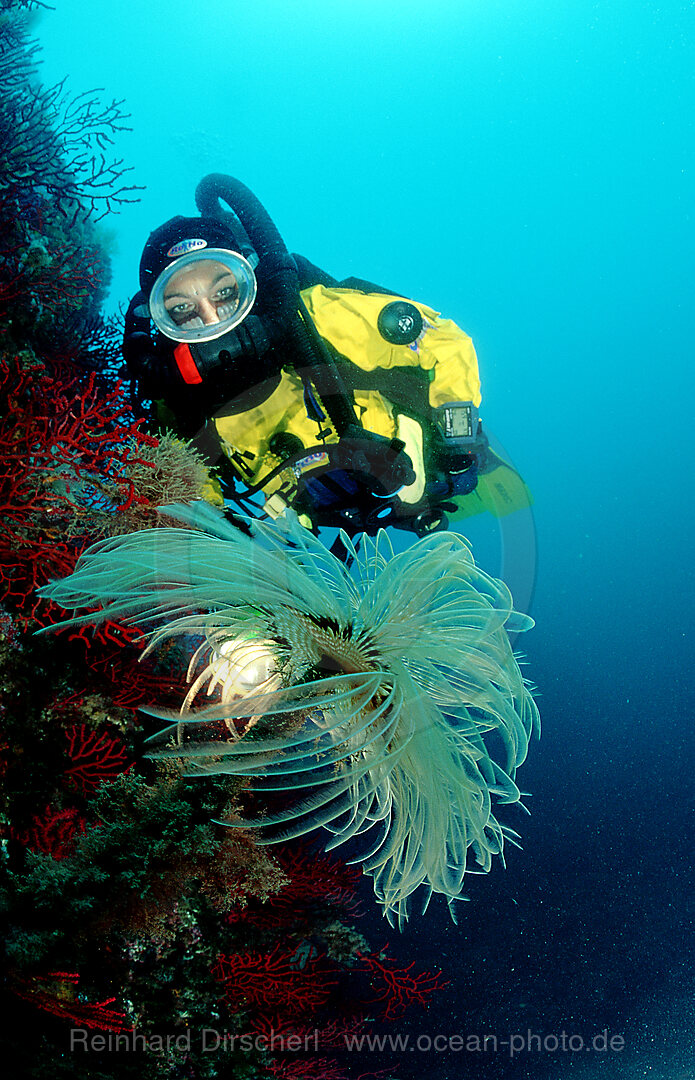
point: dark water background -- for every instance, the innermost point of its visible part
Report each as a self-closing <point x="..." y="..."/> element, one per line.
<point x="526" y="167"/>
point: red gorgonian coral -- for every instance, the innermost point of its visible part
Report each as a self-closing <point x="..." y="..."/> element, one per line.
<point x="57" y="993"/>
<point x="53" y="832"/>
<point x="313" y="878"/>
<point x="65" y="447"/>
<point x="398" y="987"/>
<point x="275" y="980"/>
<point x="96" y="757"/>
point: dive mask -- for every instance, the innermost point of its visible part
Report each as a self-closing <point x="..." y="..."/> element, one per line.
<point x="203" y="295"/>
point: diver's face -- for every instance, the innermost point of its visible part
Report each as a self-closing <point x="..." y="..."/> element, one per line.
<point x="201" y="294"/>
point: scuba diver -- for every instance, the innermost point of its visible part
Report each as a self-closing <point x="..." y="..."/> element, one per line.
<point x="353" y="405"/>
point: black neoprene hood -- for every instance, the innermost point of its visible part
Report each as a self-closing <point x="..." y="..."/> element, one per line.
<point x="168" y="243"/>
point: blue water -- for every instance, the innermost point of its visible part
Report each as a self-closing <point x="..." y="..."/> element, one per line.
<point x="525" y="167"/>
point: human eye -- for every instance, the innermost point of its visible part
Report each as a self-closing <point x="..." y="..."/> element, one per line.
<point x="226" y="292"/>
<point x="181" y="312"/>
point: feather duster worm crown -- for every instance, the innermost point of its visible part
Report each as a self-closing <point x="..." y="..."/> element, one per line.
<point x="365" y="699"/>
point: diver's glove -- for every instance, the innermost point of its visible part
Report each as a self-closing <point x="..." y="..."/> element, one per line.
<point x="153" y="370"/>
<point x="461" y="446"/>
<point x="148" y="363"/>
<point x="381" y="463"/>
<point x="461" y="471"/>
<point x="362" y="469"/>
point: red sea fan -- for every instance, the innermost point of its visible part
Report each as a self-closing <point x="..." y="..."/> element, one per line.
<point x="313" y="878"/>
<point x="306" y="1069"/>
<point x="274" y="980"/>
<point x="54" y="832"/>
<point x="399" y="987"/>
<point x="57" y="993"/>
<point x="96" y="757"/>
<point x="65" y="448"/>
